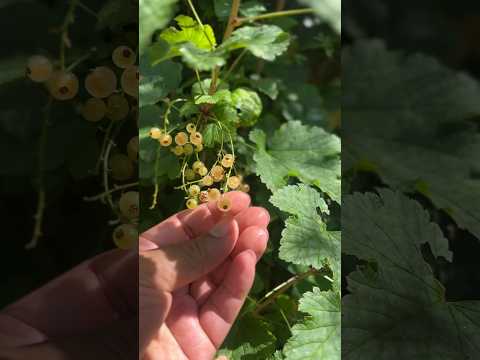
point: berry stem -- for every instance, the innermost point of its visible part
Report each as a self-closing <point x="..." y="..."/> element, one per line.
<point x="275" y="14"/>
<point x="280" y="289"/>
<point x="155" y="193"/>
<point x="103" y="194"/>
<point x="232" y="24"/>
<point x="108" y="196"/>
<point x="80" y="60"/>
<point x="41" y="201"/>
<point x="87" y="9"/>
<point x="68" y="19"/>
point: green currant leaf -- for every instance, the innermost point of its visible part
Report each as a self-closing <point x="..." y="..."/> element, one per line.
<point x="249" y="106"/>
<point x="267" y="86"/>
<point x="308" y="153"/>
<point x="247" y="8"/>
<point x="157" y="81"/>
<point x="265" y="42"/>
<point x="200" y="59"/>
<point x="328" y="10"/>
<point x="221" y="96"/>
<point x="319" y="336"/>
<point x="190" y="31"/>
<point x="212" y="134"/>
<point x="398" y="309"/>
<point x="249" y="338"/>
<point x="153" y="15"/>
<point x="425" y="145"/>
<point x="305" y="239"/>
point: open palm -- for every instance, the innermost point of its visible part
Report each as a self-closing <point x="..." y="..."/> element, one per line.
<point x="206" y="284"/>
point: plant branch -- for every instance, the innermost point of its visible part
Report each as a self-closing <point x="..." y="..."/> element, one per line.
<point x="64" y="40"/>
<point x="232" y="24"/>
<point x="105" y="173"/>
<point x="41" y="199"/>
<point x="274" y="15"/>
<point x="104" y="194"/>
<point x="280" y="289"/>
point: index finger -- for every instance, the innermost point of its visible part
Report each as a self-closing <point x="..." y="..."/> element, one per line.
<point x="190" y="224"/>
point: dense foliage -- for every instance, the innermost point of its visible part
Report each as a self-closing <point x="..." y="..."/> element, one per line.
<point x="411" y="141"/>
<point x="68" y="135"/>
<point x="244" y="95"/>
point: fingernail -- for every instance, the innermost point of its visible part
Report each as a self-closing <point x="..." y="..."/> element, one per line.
<point x="222" y="228"/>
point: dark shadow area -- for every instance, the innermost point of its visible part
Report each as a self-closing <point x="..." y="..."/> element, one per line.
<point x="69" y="154"/>
<point x="411" y="191"/>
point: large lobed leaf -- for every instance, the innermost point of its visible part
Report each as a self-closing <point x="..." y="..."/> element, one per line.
<point x="415" y="137"/>
<point x="153" y="15"/>
<point x="319" y="336"/>
<point x="398" y="310"/>
<point x="308" y="153"/>
<point x="305" y="239"/>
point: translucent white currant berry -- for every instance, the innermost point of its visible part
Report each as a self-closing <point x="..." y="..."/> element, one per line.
<point x="224" y="204"/>
<point x="181" y="138"/>
<point x="192" y="204"/>
<point x="196" y="138"/>
<point x="125" y="236"/>
<point x="228" y="161"/>
<point x="233" y="182"/>
<point x="245" y="188"/>
<point x="156" y="133"/>
<point x="39" y="68"/>
<point x="203" y="196"/>
<point x="207" y="181"/>
<point x="190" y="174"/>
<point x="94" y="109"/>
<point x="121" y="166"/>
<point x="218" y="173"/>
<point x="129" y="205"/>
<point x="117" y="107"/>
<point x="199" y="148"/>
<point x="132" y="148"/>
<point x="178" y="150"/>
<point x="197" y="165"/>
<point x="130" y="79"/>
<point x="101" y="82"/>
<point x="214" y="194"/>
<point x="191" y="128"/>
<point x="194" y="190"/>
<point x="123" y="57"/>
<point x="188" y="149"/>
<point x="165" y="140"/>
<point x="203" y="171"/>
<point x="63" y="85"/>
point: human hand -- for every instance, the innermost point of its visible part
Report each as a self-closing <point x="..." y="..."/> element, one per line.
<point x="196" y="270"/>
<point x="91" y="311"/>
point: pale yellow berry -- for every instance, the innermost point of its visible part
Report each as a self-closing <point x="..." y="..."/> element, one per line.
<point x="224" y="204"/>
<point x="191" y="128"/>
<point x="199" y="148"/>
<point x="123" y="57"/>
<point x="192" y="204"/>
<point x="129" y="81"/>
<point x="122" y="167"/>
<point x="228" y="160"/>
<point x="189" y="174"/>
<point x="207" y="181"/>
<point x="203" y="171"/>
<point x="125" y="236"/>
<point x="156" y="133"/>
<point x="117" y="107"/>
<point x="181" y="138"/>
<point x="194" y="190"/>
<point x="129" y="205"/>
<point x="188" y="149"/>
<point x="214" y="194"/>
<point x="203" y="196"/>
<point x="196" y="138"/>
<point x="197" y="165"/>
<point x="94" y="109"/>
<point x="233" y="182"/>
<point x="245" y="188"/>
<point x="39" y="68"/>
<point x="178" y="150"/>
<point x="165" y="140"/>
